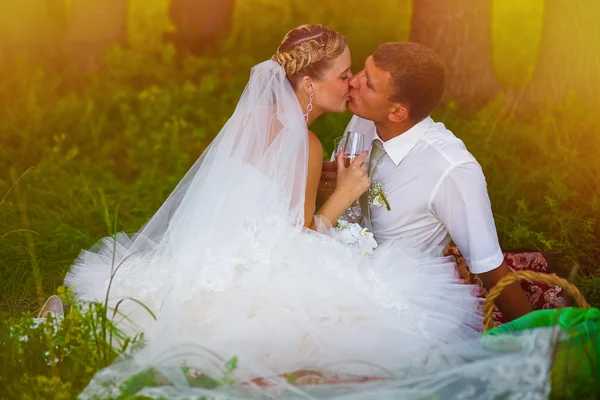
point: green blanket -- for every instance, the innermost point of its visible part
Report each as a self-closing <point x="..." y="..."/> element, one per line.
<point x="576" y="366"/>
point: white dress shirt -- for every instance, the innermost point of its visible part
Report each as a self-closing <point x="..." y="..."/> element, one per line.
<point x="436" y="190"/>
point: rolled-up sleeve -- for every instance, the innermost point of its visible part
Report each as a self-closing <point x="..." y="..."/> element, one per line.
<point x="461" y="202"/>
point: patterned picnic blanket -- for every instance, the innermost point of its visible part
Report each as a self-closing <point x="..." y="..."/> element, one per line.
<point x="540" y="295"/>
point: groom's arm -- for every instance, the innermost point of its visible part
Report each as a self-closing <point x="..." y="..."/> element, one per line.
<point x="462" y="204"/>
<point x="327" y="182"/>
<point x="511" y="301"/>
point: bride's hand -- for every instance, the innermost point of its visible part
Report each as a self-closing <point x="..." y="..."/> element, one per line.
<point x="353" y="181"/>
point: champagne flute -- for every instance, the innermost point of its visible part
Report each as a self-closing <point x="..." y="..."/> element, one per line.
<point x="353" y="146"/>
<point x="338" y="145"/>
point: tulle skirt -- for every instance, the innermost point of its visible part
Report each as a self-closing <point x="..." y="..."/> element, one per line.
<point x="302" y="301"/>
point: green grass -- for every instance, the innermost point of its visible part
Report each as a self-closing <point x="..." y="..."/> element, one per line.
<point x="123" y="139"/>
<point x="84" y="146"/>
<point x="56" y="359"/>
<point x="126" y="137"/>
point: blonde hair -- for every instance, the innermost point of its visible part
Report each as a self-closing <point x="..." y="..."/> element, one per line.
<point x="309" y="50"/>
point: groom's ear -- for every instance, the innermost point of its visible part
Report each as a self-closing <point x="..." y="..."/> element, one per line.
<point x="398" y="113"/>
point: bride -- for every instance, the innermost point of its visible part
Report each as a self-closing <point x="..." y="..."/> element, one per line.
<point x="237" y="261"/>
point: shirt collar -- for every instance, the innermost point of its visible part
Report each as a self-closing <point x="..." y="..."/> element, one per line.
<point x="397" y="148"/>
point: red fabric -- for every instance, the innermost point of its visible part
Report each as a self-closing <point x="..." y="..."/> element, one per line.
<point x="307" y="377"/>
<point x="540" y="295"/>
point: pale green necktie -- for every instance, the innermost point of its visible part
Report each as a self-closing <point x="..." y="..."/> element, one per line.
<point x="377" y="151"/>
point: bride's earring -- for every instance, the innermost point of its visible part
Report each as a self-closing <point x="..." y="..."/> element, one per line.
<point x="309" y="107"/>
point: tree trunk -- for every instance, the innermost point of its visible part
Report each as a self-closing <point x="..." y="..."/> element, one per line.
<point x="31" y="29"/>
<point x="569" y="55"/>
<point x="460" y="32"/>
<point x="199" y="23"/>
<point x="94" y="26"/>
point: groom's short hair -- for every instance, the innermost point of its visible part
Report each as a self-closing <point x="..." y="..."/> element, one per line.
<point x="418" y="76"/>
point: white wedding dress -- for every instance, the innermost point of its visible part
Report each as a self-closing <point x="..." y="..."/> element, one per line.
<point x="229" y="271"/>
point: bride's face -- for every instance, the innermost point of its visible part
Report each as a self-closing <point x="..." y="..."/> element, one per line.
<point x="332" y="93"/>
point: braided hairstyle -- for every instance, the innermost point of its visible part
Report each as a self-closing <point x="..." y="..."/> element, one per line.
<point x="309" y="50"/>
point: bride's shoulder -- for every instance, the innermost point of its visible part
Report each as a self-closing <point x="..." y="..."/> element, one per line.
<point x="314" y="144"/>
<point x="315" y="154"/>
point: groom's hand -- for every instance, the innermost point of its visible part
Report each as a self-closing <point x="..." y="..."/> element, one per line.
<point x="328" y="181"/>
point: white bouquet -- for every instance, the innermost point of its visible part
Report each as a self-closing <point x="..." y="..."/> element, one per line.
<point x="352" y="234"/>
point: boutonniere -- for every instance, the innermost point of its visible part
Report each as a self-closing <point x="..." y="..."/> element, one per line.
<point x="376" y="196"/>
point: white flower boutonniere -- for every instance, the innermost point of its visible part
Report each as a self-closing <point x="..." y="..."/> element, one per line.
<point x="352" y="234"/>
<point x="376" y="196"/>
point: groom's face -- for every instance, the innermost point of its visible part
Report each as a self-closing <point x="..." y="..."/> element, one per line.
<point x="370" y="93"/>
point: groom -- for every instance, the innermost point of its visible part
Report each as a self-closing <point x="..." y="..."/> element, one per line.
<point x="435" y="188"/>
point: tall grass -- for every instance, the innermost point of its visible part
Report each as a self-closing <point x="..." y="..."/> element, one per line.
<point x="74" y="149"/>
<point x="127" y="135"/>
